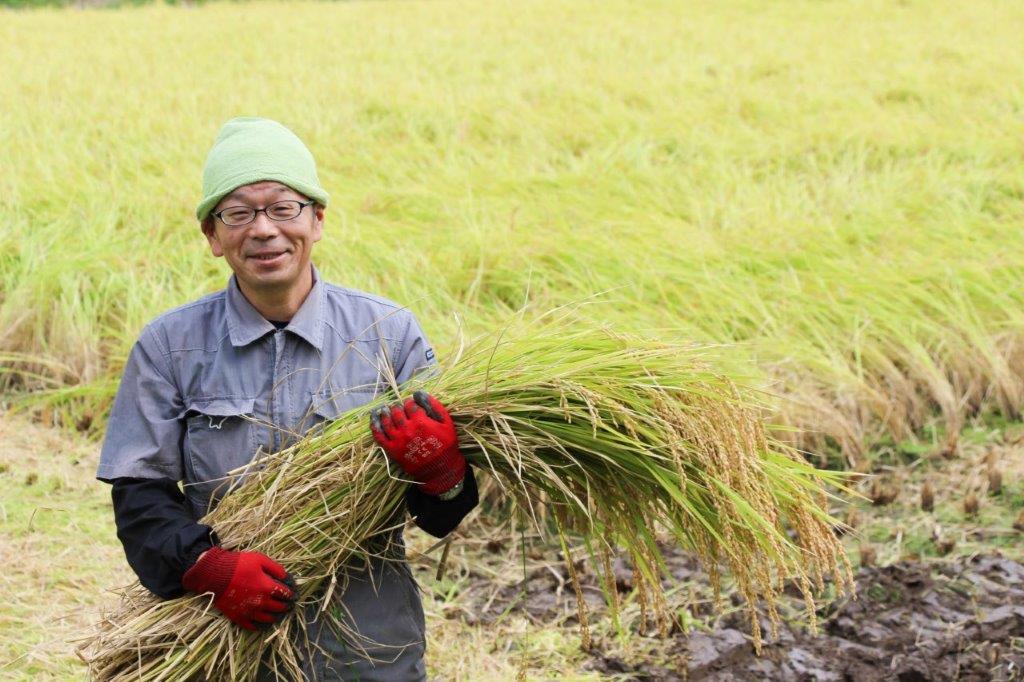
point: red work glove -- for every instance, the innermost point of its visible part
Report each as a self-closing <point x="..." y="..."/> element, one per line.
<point x="420" y="437"/>
<point x="252" y="589"/>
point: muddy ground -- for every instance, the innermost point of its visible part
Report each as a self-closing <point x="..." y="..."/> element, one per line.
<point x="939" y="587"/>
<point x="960" y="619"/>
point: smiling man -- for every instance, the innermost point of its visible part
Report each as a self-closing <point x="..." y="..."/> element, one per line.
<point x="212" y="384"/>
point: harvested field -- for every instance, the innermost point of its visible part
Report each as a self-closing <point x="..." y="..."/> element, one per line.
<point x="912" y="620"/>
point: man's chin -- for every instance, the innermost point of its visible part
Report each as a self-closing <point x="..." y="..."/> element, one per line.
<point x="269" y="280"/>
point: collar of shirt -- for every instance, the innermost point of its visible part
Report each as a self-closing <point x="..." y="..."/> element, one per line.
<point x="246" y="324"/>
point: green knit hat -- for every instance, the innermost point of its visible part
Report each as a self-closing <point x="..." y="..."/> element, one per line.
<point x="249" y="149"/>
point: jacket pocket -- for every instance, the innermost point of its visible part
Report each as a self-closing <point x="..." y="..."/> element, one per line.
<point x="326" y="405"/>
<point x="219" y="437"/>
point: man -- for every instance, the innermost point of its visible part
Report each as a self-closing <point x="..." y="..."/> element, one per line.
<point x="211" y="384"/>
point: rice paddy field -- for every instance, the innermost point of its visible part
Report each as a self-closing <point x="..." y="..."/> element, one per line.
<point x="829" y="195"/>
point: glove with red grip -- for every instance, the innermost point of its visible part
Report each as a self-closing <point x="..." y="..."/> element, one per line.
<point x="420" y="437"/>
<point x="251" y="589"/>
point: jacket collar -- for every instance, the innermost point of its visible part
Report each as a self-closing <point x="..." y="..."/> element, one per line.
<point x="246" y="324"/>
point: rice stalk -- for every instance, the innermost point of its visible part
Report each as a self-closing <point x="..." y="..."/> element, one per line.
<point x="628" y="441"/>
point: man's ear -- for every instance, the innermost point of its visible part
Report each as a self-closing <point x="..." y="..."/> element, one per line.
<point x="318" y="222"/>
<point x="210" y="232"/>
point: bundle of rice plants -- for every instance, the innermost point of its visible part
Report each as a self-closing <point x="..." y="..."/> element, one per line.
<point x="595" y="434"/>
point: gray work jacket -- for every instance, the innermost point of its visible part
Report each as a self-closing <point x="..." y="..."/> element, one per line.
<point x="198" y="370"/>
<point x="200" y="374"/>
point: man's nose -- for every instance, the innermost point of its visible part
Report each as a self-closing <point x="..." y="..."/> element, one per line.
<point x="263" y="227"/>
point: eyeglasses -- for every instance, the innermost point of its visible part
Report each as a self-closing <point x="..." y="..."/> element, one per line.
<point x="279" y="211"/>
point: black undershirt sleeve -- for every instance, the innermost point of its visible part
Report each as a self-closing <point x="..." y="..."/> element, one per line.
<point x="440" y="517"/>
<point x="161" y="540"/>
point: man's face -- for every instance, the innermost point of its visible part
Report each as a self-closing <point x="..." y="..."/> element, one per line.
<point x="266" y="255"/>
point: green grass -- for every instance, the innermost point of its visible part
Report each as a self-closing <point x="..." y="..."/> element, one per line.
<point x="835" y="188"/>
